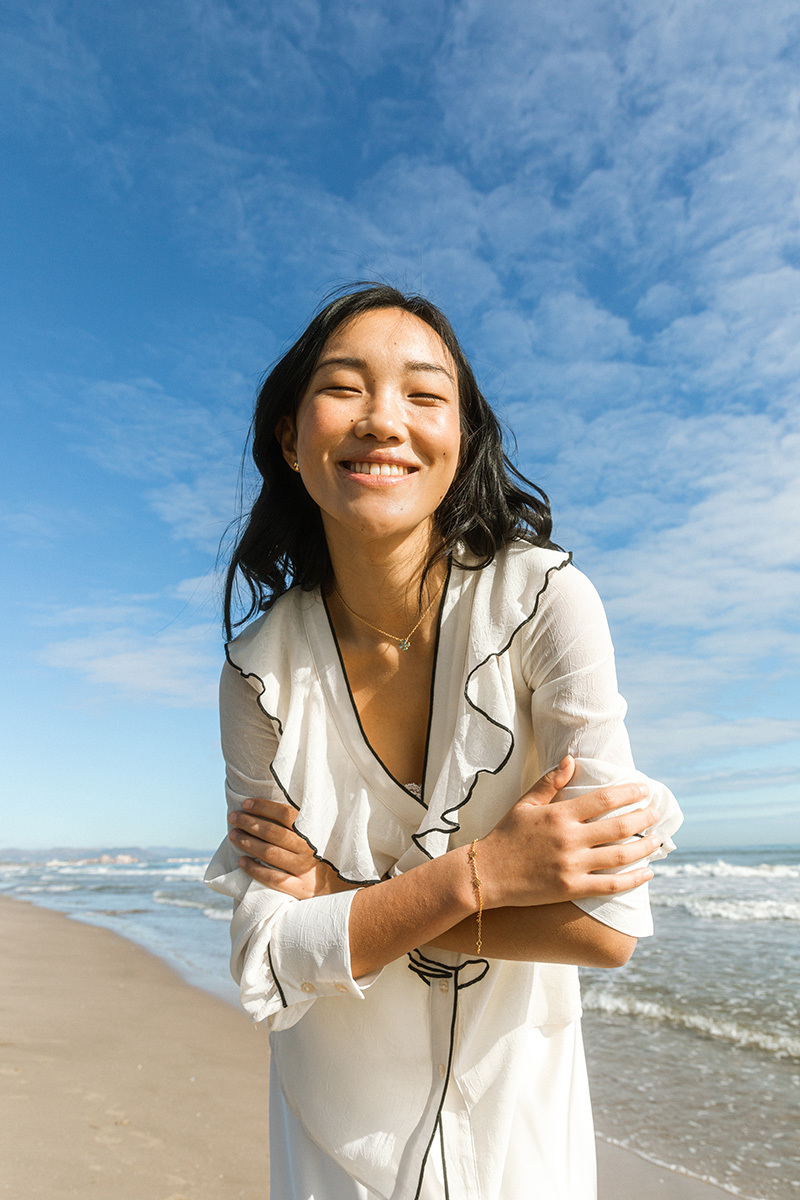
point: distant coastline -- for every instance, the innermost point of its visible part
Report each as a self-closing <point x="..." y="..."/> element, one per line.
<point x="100" y="853"/>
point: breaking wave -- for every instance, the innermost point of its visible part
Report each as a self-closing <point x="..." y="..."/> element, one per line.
<point x="782" y="1045"/>
<point x="214" y="914"/>
<point x="732" y="910"/>
<point x="720" y="868"/>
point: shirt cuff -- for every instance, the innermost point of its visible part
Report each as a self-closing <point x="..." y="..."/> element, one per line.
<point x="309" y="951"/>
<point x="628" y="913"/>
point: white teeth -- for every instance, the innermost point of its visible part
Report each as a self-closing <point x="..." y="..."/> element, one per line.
<point x="363" y="468"/>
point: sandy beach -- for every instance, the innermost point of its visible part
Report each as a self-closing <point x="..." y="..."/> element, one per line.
<point x="121" y="1082"/>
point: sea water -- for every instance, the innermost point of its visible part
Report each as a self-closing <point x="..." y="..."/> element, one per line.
<point x="693" y="1047"/>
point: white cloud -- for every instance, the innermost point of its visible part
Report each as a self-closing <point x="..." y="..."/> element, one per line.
<point x="107" y="611"/>
<point x="186" y="454"/>
<point x="725" y="782"/>
<point x="202" y="594"/>
<point x="52" y="79"/>
<point x="34" y="524"/>
<point x="200" y="510"/>
<point x="144" y="648"/>
<point x="570" y="327"/>
<point x="176" y="668"/>
<point x="135" y="428"/>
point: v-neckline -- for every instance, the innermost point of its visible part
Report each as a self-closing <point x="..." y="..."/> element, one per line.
<point x="421" y="797"/>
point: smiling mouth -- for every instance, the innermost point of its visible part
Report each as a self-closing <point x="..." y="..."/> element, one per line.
<point x="373" y="468"/>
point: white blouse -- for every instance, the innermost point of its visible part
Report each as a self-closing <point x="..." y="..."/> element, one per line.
<point x="523" y="675"/>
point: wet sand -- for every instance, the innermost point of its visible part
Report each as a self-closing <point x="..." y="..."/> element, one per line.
<point x="118" y="1081"/>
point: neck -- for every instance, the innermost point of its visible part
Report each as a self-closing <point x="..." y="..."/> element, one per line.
<point x="380" y="582"/>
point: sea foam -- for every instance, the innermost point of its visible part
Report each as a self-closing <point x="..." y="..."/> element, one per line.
<point x="720" y="868"/>
<point x="783" y="1045"/>
<point x="732" y="910"/>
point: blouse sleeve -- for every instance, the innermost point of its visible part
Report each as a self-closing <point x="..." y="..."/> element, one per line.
<point x="577" y="709"/>
<point x="285" y="953"/>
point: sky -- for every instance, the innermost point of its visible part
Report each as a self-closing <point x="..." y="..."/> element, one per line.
<point x="603" y="196"/>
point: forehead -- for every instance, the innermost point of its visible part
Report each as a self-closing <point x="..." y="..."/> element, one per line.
<point x="389" y="335"/>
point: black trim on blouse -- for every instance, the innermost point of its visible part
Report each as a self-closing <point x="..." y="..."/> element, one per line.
<point x="419" y="799"/>
<point x="449" y="826"/>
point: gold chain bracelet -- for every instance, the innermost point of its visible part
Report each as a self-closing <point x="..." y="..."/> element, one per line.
<point x="476" y="883"/>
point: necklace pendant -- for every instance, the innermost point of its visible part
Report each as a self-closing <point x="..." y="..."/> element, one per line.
<point x="405" y="644"/>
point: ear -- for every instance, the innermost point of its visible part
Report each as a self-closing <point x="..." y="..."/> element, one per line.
<point x="286" y="433"/>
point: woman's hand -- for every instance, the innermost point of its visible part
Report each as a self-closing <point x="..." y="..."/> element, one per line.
<point x="277" y="856"/>
<point x="543" y="852"/>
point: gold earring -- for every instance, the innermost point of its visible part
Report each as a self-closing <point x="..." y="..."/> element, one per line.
<point x="295" y="465"/>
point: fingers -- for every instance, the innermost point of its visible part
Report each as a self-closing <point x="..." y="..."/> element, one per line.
<point x="266" y="835"/>
<point x="616" y="829"/>
<point x="294" y="859"/>
<point x="605" y="800"/>
<point x="614" y="885"/>
<point x="272" y="856"/>
<point x="546" y="788"/>
<point x="262" y="873"/>
<point x="612" y="858"/>
<point x="277" y="880"/>
<point x="270" y="843"/>
<point x="267" y="830"/>
<point x="270" y="810"/>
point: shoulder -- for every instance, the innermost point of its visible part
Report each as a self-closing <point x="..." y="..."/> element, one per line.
<point x="549" y="575"/>
<point x="286" y="609"/>
<point x="268" y="642"/>
<point x="529" y="594"/>
<point x="523" y="578"/>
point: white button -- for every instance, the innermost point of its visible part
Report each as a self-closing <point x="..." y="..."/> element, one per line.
<point x="307" y="987"/>
<point x="442" y="1070"/>
<point x="444" y="986"/>
<point x="341" y="987"/>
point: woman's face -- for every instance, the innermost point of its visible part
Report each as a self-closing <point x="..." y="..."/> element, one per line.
<point x="377" y="435"/>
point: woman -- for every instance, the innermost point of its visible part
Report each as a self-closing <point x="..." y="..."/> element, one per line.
<point x="410" y="903"/>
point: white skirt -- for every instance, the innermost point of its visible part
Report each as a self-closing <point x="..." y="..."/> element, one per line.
<point x="550" y="1155"/>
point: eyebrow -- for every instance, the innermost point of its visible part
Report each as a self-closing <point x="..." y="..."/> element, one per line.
<point x="360" y="364"/>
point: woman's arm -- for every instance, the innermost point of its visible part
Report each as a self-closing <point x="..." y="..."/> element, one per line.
<point x="540" y="854"/>
<point x="567" y="660"/>
<point x="557" y="933"/>
<point x="552" y="933"/>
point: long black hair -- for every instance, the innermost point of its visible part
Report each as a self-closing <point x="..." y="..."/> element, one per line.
<point x="283" y="544"/>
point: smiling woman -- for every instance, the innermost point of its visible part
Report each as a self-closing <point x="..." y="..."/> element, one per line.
<point x="429" y="675"/>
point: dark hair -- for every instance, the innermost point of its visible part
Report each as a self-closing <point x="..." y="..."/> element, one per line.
<point x="283" y="540"/>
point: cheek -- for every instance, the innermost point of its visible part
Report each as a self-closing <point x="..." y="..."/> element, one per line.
<point x="318" y="428"/>
<point x="451" y="442"/>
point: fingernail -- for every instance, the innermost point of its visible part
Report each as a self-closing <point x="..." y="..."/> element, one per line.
<point x="231" y="818"/>
<point x="247" y="804"/>
<point x="565" y="761"/>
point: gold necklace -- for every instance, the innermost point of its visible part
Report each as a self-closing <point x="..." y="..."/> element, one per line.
<point x="405" y="643"/>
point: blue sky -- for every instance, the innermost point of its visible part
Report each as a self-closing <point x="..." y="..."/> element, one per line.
<point x="602" y="196"/>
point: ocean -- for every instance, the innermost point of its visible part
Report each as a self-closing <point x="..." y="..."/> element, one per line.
<point x="693" y="1046"/>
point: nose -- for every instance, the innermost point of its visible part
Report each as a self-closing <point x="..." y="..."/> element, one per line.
<point x="382" y="416"/>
